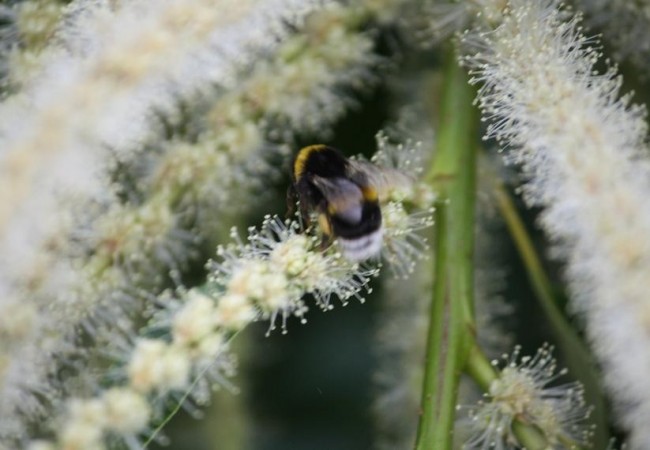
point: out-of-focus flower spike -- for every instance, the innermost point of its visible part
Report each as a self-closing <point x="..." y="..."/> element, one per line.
<point x="582" y="146"/>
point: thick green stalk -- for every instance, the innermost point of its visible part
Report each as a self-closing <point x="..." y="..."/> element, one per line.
<point x="451" y="318"/>
<point x="451" y="346"/>
<point x="576" y="355"/>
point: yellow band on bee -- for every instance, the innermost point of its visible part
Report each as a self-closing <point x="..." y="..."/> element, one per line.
<point x="369" y="193"/>
<point x="302" y="157"/>
<point x="324" y="224"/>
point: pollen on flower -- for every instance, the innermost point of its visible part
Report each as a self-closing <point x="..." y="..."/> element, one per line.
<point x="157" y="365"/>
<point x="246" y="278"/>
<point x="276" y="293"/>
<point x="301" y="263"/>
<point x="196" y="319"/>
<point x="234" y="311"/>
<point x="127" y="411"/>
<point x="209" y="347"/>
<point x="84" y="426"/>
<point x="257" y="280"/>
<point x="395" y="218"/>
<point x="291" y="254"/>
<point x="522" y="392"/>
<point x="314" y="271"/>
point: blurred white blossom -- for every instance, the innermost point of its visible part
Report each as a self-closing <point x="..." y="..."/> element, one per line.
<point x="583" y="148"/>
<point x="624" y="24"/>
<point x="133" y="246"/>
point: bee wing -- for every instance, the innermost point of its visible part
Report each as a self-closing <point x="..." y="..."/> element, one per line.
<point x="337" y="189"/>
<point x="344" y="197"/>
<point x="383" y="179"/>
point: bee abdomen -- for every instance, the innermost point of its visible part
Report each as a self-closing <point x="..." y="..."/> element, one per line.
<point x="362" y="247"/>
<point x="363" y="239"/>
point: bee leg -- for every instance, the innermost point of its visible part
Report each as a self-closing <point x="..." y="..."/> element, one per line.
<point x="326" y="230"/>
<point x="292" y="199"/>
<point x="305" y="221"/>
<point x="326" y="242"/>
<point x="304" y="214"/>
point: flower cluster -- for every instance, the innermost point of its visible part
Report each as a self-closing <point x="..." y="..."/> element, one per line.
<point x="278" y="266"/>
<point x="27" y="29"/>
<point x="264" y="278"/>
<point x="523" y="391"/>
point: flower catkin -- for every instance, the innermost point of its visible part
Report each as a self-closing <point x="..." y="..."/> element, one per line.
<point x="582" y="147"/>
<point x="120" y="63"/>
<point x="264" y="278"/>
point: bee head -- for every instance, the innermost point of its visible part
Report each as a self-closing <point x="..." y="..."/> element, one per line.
<point x="320" y="160"/>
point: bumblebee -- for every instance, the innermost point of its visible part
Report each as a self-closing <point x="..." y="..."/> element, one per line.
<point x="344" y="198"/>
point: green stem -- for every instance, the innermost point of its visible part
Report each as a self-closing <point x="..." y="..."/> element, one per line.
<point x="576" y="355"/>
<point x="479" y="368"/>
<point x="451" y="321"/>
